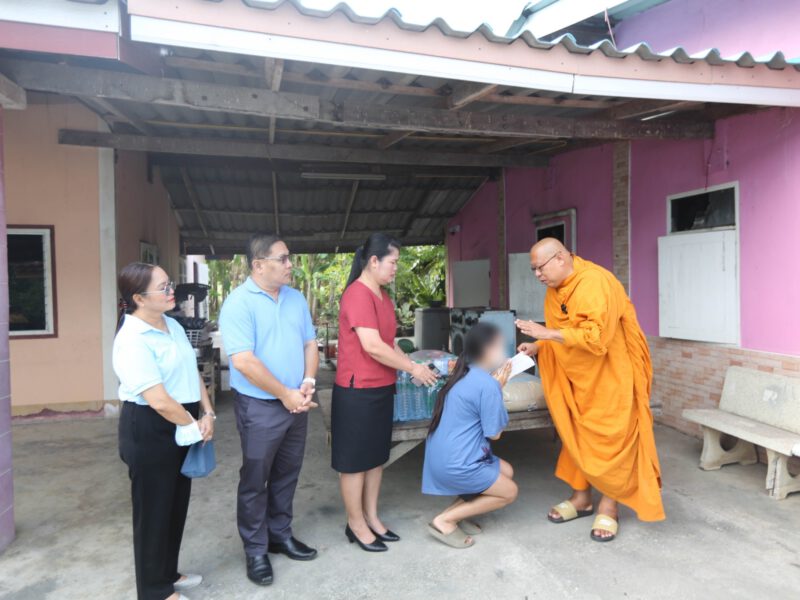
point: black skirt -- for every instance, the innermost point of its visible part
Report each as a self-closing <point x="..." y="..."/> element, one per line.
<point x="361" y="427"/>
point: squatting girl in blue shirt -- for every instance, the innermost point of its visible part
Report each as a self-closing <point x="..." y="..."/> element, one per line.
<point x="469" y="412"/>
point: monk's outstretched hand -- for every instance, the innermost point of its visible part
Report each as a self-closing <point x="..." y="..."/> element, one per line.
<point x="532" y="329"/>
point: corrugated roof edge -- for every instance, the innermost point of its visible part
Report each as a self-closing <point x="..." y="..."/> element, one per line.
<point x="776" y="61"/>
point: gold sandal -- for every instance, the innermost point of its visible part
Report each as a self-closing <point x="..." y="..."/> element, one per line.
<point x="567" y="512"/>
<point x="607" y="524"/>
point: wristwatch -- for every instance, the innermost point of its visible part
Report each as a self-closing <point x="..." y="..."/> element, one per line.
<point x="310" y="380"/>
<point x="210" y="414"/>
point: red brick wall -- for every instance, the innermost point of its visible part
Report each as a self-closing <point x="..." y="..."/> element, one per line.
<point x="690" y="375"/>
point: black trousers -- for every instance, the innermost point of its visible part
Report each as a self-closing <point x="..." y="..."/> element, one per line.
<point x="273" y="444"/>
<point x="159" y="494"/>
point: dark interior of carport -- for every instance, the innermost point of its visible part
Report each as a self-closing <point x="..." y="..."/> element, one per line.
<point x="325" y="154"/>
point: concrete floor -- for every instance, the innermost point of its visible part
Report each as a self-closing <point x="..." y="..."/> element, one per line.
<point x="724" y="538"/>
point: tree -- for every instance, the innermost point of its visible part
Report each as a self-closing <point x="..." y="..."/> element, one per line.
<point x="321" y="278"/>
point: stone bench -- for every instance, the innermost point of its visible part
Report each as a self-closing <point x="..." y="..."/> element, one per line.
<point x="758" y="409"/>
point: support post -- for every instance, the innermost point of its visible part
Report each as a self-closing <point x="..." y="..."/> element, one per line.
<point x="714" y="456"/>
<point x="780" y="483"/>
<point x="502" y="253"/>
<point x="621" y="213"/>
<point x="6" y="473"/>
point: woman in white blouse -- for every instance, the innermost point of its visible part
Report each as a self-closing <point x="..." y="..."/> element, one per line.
<point x="161" y="390"/>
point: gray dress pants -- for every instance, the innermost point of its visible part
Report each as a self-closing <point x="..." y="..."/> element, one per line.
<point x="273" y="443"/>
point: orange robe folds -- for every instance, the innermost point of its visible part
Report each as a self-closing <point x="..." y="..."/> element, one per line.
<point x="597" y="385"/>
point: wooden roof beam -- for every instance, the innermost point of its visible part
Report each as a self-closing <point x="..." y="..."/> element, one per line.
<point x="265" y="166"/>
<point x="78" y="81"/>
<point x="291" y="152"/>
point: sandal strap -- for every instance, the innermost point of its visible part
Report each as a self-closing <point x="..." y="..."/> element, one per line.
<point x="566" y="510"/>
<point x="605" y="523"/>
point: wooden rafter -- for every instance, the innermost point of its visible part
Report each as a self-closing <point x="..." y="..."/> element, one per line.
<point x="350" y="202"/>
<point x="273" y="72"/>
<point x="292" y="152"/>
<point x="192" y="193"/>
<point x="501" y="145"/>
<point x="390" y="139"/>
<point x="415" y="90"/>
<point x="642" y="108"/>
<point x="465" y="93"/>
<point x="100" y="106"/>
<point x="78" y="81"/>
<point x="330" y="235"/>
<point x="275" y="205"/>
<point x="415" y="212"/>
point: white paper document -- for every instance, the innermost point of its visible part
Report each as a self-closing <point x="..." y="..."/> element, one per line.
<point x="520" y="362"/>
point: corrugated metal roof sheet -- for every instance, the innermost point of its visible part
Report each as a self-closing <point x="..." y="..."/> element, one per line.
<point x="711" y="56"/>
<point x="776" y="60"/>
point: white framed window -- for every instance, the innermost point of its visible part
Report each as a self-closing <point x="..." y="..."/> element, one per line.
<point x="698" y="266"/>
<point x="31" y="281"/>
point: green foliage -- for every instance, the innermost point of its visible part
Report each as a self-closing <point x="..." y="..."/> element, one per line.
<point x="321" y="278"/>
<point x="223" y="277"/>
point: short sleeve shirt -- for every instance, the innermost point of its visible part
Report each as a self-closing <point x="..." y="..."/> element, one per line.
<point x="458" y="455"/>
<point x="360" y="307"/>
<point x="275" y="331"/>
<point x="144" y="356"/>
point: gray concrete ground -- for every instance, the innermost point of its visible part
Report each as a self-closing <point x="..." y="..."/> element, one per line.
<point x="723" y="538"/>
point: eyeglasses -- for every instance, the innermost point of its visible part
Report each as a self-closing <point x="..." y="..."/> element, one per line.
<point x="166" y="290"/>
<point x="283" y="258"/>
<point x="542" y="266"/>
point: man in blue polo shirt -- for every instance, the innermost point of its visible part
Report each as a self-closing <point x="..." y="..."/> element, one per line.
<point x="267" y="332"/>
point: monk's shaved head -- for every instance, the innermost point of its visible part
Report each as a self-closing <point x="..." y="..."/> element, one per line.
<point x="548" y="246"/>
<point x="551" y="262"/>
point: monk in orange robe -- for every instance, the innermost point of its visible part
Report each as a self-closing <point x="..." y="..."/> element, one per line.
<point x="596" y="374"/>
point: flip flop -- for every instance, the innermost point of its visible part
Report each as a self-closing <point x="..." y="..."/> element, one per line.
<point x="470" y="527"/>
<point x="568" y="512"/>
<point x="455" y="539"/>
<point x="604" y="523"/>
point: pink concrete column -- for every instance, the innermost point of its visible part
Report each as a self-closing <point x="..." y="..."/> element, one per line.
<point x="6" y="483"/>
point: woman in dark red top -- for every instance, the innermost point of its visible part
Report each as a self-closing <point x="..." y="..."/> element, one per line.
<point x="363" y="395"/>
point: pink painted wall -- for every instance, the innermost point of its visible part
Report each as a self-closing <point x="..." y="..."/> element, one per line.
<point x="732" y="26"/>
<point x="477" y="237"/>
<point x="47" y="183"/>
<point x="762" y="152"/>
<point x="581" y="179"/>
<point x="144" y="214"/>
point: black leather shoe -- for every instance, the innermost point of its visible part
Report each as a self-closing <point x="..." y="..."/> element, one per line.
<point x="376" y="546"/>
<point x="293" y="548"/>
<point x="389" y="536"/>
<point x="259" y="569"/>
